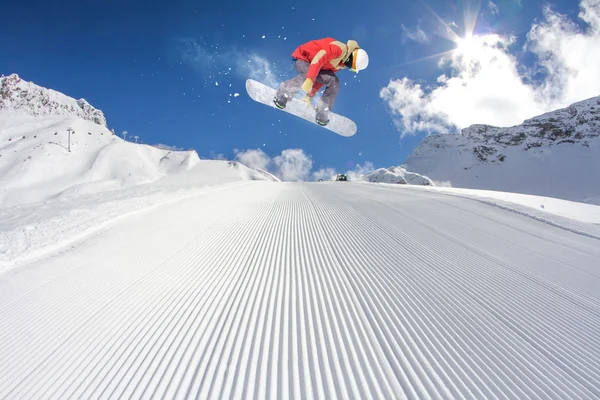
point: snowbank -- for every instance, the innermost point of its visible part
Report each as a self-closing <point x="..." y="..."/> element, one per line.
<point x="540" y="207"/>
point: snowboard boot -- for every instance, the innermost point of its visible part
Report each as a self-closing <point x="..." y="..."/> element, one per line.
<point x="322" y="116"/>
<point x="280" y="100"/>
<point x="278" y="104"/>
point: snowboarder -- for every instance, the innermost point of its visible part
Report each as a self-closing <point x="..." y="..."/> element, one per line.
<point x="316" y="63"/>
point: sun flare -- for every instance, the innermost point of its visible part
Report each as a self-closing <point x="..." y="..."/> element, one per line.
<point x="468" y="47"/>
<point x="471" y="47"/>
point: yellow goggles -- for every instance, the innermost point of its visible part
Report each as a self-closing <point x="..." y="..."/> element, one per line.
<point x="351" y="64"/>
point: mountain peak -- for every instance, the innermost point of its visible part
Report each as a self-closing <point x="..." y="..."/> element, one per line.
<point x="554" y="154"/>
<point x="18" y="95"/>
<point x="399" y="175"/>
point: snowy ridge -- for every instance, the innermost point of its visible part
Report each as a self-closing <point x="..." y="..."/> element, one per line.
<point x="267" y="174"/>
<point x="383" y="175"/>
<point x="17" y="95"/>
<point x="253" y="174"/>
<point x="398" y="175"/>
<point x="263" y="291"/>
<point x="556" y="154"/>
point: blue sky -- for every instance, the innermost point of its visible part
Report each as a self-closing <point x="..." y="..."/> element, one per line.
<point x="153" y="69"/>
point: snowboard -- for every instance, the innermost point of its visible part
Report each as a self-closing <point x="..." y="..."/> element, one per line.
<point x="264" y="94"/>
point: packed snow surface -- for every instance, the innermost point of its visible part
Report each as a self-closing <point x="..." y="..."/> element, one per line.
<point x="288" y="290"/>
<point x="539" y="206"/>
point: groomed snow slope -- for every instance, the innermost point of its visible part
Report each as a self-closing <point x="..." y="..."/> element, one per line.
<point x="324" y="290"/>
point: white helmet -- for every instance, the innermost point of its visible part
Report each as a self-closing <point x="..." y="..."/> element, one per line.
<point x="360" y="60"/>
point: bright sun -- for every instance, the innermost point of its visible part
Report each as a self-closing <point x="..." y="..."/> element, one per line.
<point x="468" y="47"/>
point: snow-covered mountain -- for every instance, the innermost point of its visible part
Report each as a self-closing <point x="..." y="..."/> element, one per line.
<point x="556" y="154"/>
<point x="398" y="175"/>
<point x="21" y="97"/>
<point x="40" y="159"/>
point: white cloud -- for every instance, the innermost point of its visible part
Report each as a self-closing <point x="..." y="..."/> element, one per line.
<point x="168" y="147"/>
<point x="252" y="158"/>
<point x="408" y="103"/>
<point x="325" y="174"/>
<point x="571" y="56"/>
<point x="293" y="165"/>
<point x="417" y="35"/>
<point x="290" y="165"/>
<point x="353" y="174"/>
<point x="359" y="170"/>
<point x="493" y="7"/>
<point x="217" y="156"/>
<point x="488" y="84"/>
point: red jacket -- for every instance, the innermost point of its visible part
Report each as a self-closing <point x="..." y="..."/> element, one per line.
<point x="327" y="54"/>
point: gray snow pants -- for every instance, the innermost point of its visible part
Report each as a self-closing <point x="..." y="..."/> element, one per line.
<point x="288" y="89"/>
